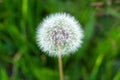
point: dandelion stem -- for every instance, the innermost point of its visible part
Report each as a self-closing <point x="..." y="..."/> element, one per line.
<point x="60" y="67"/>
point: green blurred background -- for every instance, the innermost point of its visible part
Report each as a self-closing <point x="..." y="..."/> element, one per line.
<point x="97" y="59"/>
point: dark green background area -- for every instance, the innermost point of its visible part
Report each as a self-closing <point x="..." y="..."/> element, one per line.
<point x="97" y="59"/>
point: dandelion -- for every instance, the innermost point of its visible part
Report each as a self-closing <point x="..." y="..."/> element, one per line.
<point x="59" y="34"/>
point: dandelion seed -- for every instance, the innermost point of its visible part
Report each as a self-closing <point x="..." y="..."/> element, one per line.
<point x="60" y="34"/>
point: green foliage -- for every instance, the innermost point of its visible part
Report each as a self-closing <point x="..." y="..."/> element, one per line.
<point x="97" y="59"/>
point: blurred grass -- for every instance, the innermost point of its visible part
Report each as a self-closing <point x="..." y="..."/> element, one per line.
<point x="97" y="59"/>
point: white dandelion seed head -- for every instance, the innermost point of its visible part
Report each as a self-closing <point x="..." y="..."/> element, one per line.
<point x="60" y="34"/>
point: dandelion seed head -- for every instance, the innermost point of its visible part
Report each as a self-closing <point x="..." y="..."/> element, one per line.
<point x="60" y="34"/>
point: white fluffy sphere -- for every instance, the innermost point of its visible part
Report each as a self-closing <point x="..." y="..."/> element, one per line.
<point x="59" y="34"/>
